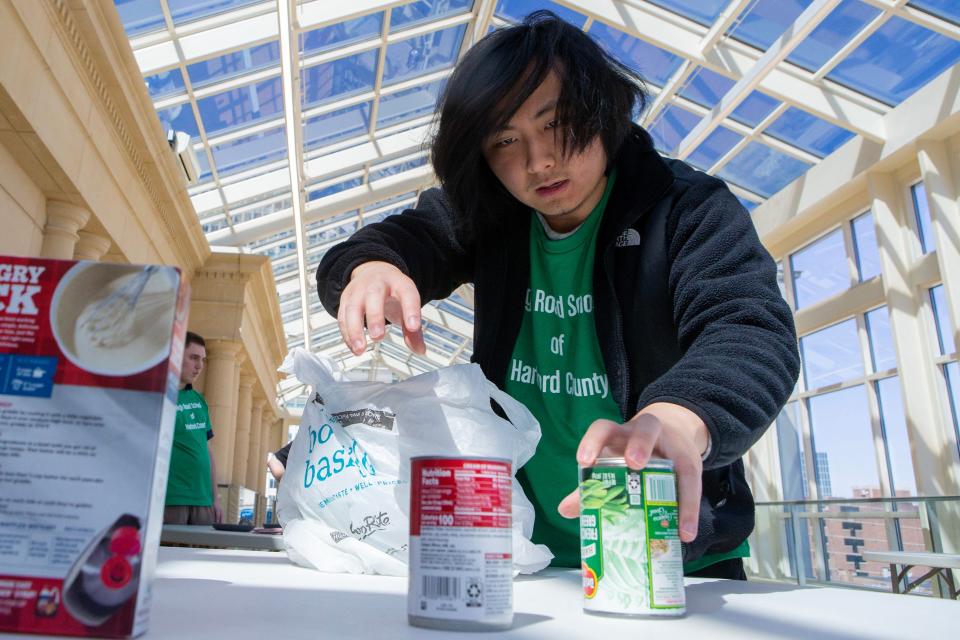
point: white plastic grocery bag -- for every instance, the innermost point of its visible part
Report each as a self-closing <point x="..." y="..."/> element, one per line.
<point x="344" y="499"/>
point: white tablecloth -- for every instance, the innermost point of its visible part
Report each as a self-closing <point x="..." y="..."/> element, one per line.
<point x="201" y="593"/>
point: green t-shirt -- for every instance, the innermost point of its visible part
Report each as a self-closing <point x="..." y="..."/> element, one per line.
<point x="189" y="479"/>
<point x="557" y="371"/>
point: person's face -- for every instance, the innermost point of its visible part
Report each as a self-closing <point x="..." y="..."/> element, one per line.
<point x="194" y="357"/>
<point x="526" y="157"/>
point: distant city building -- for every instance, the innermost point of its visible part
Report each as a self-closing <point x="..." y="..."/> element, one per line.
<point x="824" y="488"/>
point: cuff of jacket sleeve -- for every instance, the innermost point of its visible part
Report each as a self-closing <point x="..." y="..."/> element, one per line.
<point x="712" y="433"/>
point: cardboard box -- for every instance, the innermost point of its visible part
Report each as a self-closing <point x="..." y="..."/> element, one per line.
<point x="90" y="358"/>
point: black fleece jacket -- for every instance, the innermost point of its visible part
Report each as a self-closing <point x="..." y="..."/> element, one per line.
<point x="687" y="307"/>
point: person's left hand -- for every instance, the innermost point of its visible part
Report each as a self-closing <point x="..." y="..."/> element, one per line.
<point x="667" y="430"/>
<point x="217" y="512"/>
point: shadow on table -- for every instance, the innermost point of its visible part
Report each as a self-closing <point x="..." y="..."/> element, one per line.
<point x="202" y="608"/>
<point x="709" y="599"/>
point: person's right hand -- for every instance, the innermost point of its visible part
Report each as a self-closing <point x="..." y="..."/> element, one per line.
<point x="379" y="291"/>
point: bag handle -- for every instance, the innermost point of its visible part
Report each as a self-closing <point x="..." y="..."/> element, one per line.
<point x="517" y="414"/>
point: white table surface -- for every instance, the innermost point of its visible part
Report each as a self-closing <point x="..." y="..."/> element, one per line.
<point x="212" y="593"/>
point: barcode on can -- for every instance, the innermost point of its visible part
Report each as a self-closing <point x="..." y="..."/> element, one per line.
<point x="660" y="487"/>
<point x="441" y="587"/>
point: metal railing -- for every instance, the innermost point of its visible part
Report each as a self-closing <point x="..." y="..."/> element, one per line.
<point x="821" y="541"/>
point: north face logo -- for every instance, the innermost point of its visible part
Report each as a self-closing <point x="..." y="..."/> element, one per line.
<point x="629" y="238"/>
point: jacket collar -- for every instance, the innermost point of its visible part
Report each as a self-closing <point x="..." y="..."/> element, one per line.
<point x="643" y="177"/>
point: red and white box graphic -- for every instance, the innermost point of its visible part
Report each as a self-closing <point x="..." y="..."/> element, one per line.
<point x="90" y="356"/>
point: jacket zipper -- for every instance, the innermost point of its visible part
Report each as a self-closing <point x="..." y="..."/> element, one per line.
<point x="621" y="349"/>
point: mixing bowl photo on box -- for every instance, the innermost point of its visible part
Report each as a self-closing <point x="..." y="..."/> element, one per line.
<point x="90" y="358"/>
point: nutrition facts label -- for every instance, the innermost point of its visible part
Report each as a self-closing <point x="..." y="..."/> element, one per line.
<point x="461" y="565"/>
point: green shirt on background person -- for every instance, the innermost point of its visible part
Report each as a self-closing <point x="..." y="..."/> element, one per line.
<point x="189" y="480"/>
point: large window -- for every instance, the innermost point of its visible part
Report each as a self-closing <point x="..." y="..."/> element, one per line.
<point x="922" y="212"/>
<point x="946" y="347"/>
<point x="820" y="270"/>
<point x="882" y="355"/>
<point x="899" y="461"/>
<point x="865" y="246"/>
<point x="831" y="355"/>
<point x="944" y="328"/>
<point x="844" y="454"/>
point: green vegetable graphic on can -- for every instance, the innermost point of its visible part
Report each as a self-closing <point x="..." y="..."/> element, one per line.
<point x="629" y="539"/>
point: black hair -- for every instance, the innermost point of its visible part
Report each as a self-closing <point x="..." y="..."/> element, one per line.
<point x="193" y="338"/>
<point x="598" y="97"/>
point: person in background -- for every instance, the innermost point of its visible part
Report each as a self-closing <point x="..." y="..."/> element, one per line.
<point x="191" y="485"/>
<point x="277" y="461"/>
<point x="622" y="296"/>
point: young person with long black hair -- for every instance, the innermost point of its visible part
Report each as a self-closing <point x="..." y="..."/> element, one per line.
<point x="623" y="297"/>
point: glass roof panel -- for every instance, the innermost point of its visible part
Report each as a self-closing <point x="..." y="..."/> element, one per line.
<point x="671" y="126"/>
<point x="341" y="34"/>
<point x="808" y="132"/>
<point x="836" y="30"/>
<point x="409" y="103"/>
<point x="702" y="11"/>
<point x="340" y="78"/>
<point x="204" y="164"/>
<point x="765" y="20"/>
<point x="328" y="236"/>
<point x="165" y="83"/>
<point x="653" y="63"/>
<point x="754" y="108"/>
<point x="186" y="10"/>
<point x="377" y="174"/>
<point x="517" y="10"/>
<point x="341" y="124"/>
<point x="244" y="153"/>
<point x="762" y="169"/>
<point x="242" y="106"/>
<point x="140" y="16"/>
<point x="388" y="201"/>
<point x="946" y="9"/>
<point x="334" y="188"/>
<point x="748" y="204"/>
<point x="420" y="55"/>
<point x="414" y="13"/>
<point x="713" y="148"/>
<point x="706" y="87"/>
<point x="378" y="217"/>
<point x="899" y="58"/>
<point x="179" y="118"/>
<point x="260" y="211"/>
<point x="214" y="225"/>
<point x="234" y="64"/>
<point x="256" y="244"/>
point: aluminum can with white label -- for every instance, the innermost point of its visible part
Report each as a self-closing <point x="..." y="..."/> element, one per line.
<point x="461" y="544"/>
<point x="630" y="539"/>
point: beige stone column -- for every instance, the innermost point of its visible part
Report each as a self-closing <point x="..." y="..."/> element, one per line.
<point x="256" y="421"/>
<point x="64" y="220"/>
<point x="267" y="441"/>
<point x="241" y="445"/>
<point x="220" y="393"/>
<point x="256" y="466"/>
<point x="91" y="246"/>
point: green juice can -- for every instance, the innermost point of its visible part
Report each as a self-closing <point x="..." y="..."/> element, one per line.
<point x="630" y="539"/>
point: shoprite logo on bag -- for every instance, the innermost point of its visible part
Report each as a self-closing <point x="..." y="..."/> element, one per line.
<point x="370" y="525"/>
